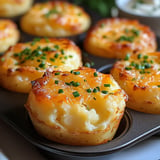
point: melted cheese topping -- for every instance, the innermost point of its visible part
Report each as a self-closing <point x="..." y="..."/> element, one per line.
<point x="139" y="76"/>
<point x="55" y="19"/>
<point x="25" y="62"/>
<point x="81" y="112"/>
<point x="11" y="8"/>
<point x="116" y="37"/>
<point x="9" y="34"/>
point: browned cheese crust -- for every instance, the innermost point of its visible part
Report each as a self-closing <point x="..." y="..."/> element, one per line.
<point x="9" y="34"/>
<point x="25" y="62"/>
<point x="55" y="19"/>
<point x="114" y="38"/>
<point x="139" y="76"/>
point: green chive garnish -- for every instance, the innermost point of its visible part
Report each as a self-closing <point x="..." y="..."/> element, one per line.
<point x="95" y="74"/>
<point x="60" y="91"/>
<point x="107" y="85"/>
<point x="76" y="94"/>
<point x="104" y="92"/>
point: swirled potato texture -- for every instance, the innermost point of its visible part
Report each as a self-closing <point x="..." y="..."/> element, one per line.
<point x="12" y="8"/>
<point x="81" y="107"/>
<point x="139" y="76"/>
<point x="114" y="38"/>
<point x="55" y="19"/>
<point x="9" y="34"/>
<point x="25" y="62"/>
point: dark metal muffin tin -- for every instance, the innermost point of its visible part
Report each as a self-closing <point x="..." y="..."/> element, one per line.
<point x="134" y="126"/>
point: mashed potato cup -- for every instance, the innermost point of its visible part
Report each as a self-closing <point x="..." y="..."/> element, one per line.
<point x="25" y="62"/>
<point x="55" y="19"/>
<point x="114" y="38"/>
<point x="81" y="107"/>
<point x="9" y="34"/>
<point x="12" y="8"/>
<point x="139" y="76"/>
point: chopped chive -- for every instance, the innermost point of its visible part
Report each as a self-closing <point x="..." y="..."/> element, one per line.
<point x="65" y="57"/>
<point x="85" y="80"/>
<point x="145" y="57"/>
<point x="75" y="84"/>
<point x="37" y="68"/>
<point x="56" y="81"/>
<point x="69" y="84"/>
<point x="56" y="47"/>
<point x="127" y="57"/>
<point x="139" y="56"/>
<point x="107" y="85"/>
<point x="135" y="32"/>
<point x="52" y="59"/>
<point x="95" y="74"/>
<point x="52" y="11"/>
<point x="60" y="91"/>
<point x="76" y="94"/>
<point x="158" y="86"/>
<point x="98" y="88"/>
<point x="95" y="90"/>
<point x="56" y="55"/>
<point x="128" y="68"/>
<point x="42" y="65"/>
<point x="89" y="90"/>
<point x="62" y="51"/>
<point x="43" y="57"/>
<point x="70" y="56"/>
<point x="76" y="73"/>
<point x="57" y="73"/>
<point x="104" y="92"/>
<point x="94" y="98"/>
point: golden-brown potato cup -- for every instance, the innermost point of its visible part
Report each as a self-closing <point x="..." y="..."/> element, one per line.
<point x="81" y="107"/>
<point x="114" y="38"/>
<point x="139" y="76"/>
<point x="9" y="34"/>
<point x="12" y="8"/>
<point x="55" y="19"/>
<point x="25" y="62"/>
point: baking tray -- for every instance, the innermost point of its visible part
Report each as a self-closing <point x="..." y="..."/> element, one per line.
<point x="134" y="126"/>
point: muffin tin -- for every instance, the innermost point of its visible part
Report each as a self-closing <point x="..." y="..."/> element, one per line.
<point x="134" y="126"/>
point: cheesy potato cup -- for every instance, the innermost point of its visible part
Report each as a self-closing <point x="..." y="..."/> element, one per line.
<point x="139" y="76"/>
<point x="55" y="19"/>
<point x="9" y="34"/>
<point x="114" y="38"/>
<point x="25" y="62"/>
<point x="12" y="8"/>
<point x="81" y="107"/>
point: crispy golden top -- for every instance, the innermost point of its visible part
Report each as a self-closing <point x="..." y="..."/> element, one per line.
<point x="62" y="13"/>
<point x="123" y="33"/>
<point x="7" y="29"/>
<point x="81" y="85"/>
<point x="141" y="70"/>
<point x="42" y="54"/>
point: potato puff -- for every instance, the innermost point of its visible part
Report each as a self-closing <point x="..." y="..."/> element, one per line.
<point x="81" y="107"/>
<point x="139" y="76"/>
<point x="55" y="19"/>
<point x="115" y="37"/>
<point x="9" y="34"/>
<point x="12" y="8"/>
<point x="25" y="62"/>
